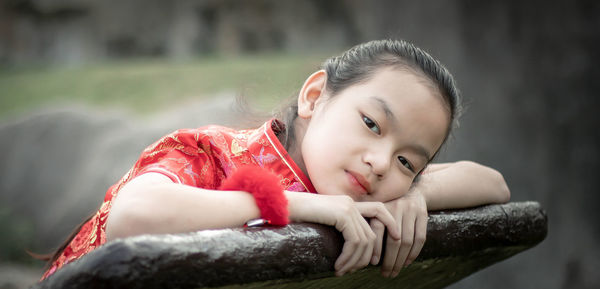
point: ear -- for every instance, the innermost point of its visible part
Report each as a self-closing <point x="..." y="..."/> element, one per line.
<point x="311" y="94"/>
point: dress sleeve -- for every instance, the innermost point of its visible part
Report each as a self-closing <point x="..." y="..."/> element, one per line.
<point x="181" y="156"/>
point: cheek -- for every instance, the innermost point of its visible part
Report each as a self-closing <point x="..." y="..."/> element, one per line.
<point x="320" y="157"/>
<point x="323" y="144"/>
<point x="396" y="187"/>
<point x="314" y="149"/>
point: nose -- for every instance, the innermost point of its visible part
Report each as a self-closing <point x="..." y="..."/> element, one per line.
<point x="379" y="161"/>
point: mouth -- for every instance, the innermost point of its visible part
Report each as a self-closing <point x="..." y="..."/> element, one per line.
<point x="359" y="182"/>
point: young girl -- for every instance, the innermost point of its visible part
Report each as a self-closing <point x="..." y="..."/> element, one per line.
<point x="357" y="144"/>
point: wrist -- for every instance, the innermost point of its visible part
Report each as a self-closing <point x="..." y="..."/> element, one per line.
<point x="266" y="189"/>
<point x="422" y="189"/>
<point x="423" y="196"/>
<point x="296" y="205"/>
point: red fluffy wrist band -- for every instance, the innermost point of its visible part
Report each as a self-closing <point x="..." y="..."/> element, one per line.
<point x="266" y="189"/>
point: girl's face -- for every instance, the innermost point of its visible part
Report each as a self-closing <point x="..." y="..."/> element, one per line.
<point x="372" y="139"/>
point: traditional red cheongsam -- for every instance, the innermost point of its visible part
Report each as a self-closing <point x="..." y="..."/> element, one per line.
<point x="201" y="157"/>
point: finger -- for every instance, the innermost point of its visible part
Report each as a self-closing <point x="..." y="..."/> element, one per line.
<point x="420" y="237"/>
<point x="379" y="229"/>
<point x="364" y="255"/>
<point x="378" y="210"/>
<point x="350" y="236"/>
<point x="408" y="236"/>
<point x="359" y="246"/>
<point x="347" y="253"/>
<point x="367" y="255"/>
<point x="391" y="253"/>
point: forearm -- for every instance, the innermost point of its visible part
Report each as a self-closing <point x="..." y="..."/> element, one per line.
<point x="462" y="184"/>
<point x="152" y="204"/>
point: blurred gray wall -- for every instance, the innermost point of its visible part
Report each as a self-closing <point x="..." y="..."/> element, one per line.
<point x="529" y="71"/>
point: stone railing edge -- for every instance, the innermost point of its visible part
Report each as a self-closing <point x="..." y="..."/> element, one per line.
<point x="459" y="242"/>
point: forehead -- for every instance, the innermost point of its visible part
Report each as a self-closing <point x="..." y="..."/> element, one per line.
<point x="404" y="83"/>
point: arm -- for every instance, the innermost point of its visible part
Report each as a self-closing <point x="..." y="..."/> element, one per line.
<point x="460" y="185"/>
<point x="153" y="204"/>
<point x="442" y="186"/>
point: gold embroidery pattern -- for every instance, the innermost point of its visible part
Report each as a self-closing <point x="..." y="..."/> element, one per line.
<point x="236" y="149"/>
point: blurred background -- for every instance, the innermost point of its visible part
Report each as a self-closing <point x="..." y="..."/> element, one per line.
<point x="85" y="85"/>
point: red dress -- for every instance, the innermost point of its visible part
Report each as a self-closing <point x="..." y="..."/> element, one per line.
<point x="201" y="157"/>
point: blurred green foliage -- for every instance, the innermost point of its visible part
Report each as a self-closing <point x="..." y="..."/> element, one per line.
<point x="147" y="85"/>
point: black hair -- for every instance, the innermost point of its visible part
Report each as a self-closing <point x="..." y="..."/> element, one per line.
<point x="360" y="62"/>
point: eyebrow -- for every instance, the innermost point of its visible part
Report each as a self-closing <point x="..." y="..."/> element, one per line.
<point x="383" y="105"/>
<point x="419" y="149"/>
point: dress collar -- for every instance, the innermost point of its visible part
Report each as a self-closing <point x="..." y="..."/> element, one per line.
<point x="269" y="153"/>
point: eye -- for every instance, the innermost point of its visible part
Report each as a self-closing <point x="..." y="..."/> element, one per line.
<point x="406" y="163"/>
<point x="371" y="125"/>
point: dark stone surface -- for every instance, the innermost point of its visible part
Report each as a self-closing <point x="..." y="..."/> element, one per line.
<point x="459" y="243"/>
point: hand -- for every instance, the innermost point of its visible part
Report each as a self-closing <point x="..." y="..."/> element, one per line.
<point x="410" y="212"/>
<point x="347" y="217"/>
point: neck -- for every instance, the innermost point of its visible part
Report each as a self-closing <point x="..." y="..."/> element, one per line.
<point x="295" y="147"/>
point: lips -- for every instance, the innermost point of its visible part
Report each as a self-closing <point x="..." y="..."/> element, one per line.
<point x="358" y="181"/>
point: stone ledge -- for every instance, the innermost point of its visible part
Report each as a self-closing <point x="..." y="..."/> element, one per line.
<point x="459" y="243"/>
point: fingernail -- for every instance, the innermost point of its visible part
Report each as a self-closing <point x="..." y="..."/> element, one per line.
<point x="407" y="263"/>
<point x="394" y="274"/>
<point x="374" y="260"/>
